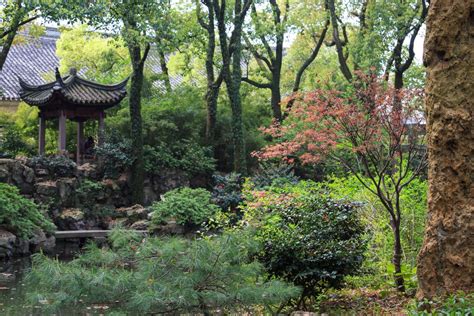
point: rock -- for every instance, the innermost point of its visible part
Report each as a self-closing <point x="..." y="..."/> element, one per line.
<point x="88" y="171"/>
<point x="22" y="247"/>
<point x="71" y="219"/>
<point x="140" y="225"/>
<point x="446" y="259"/>
<point x="41" y="242"/>
<point x="46" y="188"/>
<point x="7" y="244"/>
<point x="118" y="222"/>
<point x="66" y="189"/>
<point x="171" y="228"/>
<point x="133" y="213"/>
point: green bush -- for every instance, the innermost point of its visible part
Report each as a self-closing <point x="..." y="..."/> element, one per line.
<point x="12" y="143"/>
<point x="413" y="206"/>
<point x="58" y="166"/>
<point x="187" y="206"/>
<point x="20" y="215"/>
<point x="456" y="304"/>
<point x="115" y="155"/>
<point x="160" y="276"/>
<point x="183" y="155"/>
<point x="309" y="239"/>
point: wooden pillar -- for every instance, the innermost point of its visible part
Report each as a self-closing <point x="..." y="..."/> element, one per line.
<point x="101" y="128"/>
<point x="80" y="142"/>
<point x="62" y="132"/>
<point x="42" y="135"/>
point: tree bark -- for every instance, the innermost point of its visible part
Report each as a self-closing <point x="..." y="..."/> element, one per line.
<point x="446" y="260"/>
<point x="136" y="85"/>
<point x="165" y="71"/>
<point x="397" y="256"/>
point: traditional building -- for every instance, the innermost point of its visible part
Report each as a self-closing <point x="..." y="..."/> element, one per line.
<point x="74" y="98"/>
<point x="35" y="59"/>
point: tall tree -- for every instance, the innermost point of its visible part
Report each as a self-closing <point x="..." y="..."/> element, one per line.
<point x="208" y="23"/>
<point x="136" y="20"/>
<point x="265" y="41"/>
<point x="231" y="51"/>
<point x="446" y="260"/>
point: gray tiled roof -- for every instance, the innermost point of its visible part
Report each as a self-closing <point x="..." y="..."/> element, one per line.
<point x="73" y="90"/>
<point x="37" y="56"/>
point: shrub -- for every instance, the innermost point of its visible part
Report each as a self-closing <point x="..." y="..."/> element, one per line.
<point x="456" y="304"/>
<point x="275" y="174"/>
<point x="115" y="155"/>
<point x="183" y="155"/>
<point x="309" y="239"/>
<point x="58" y="166"/>
<point x="413" y="201"/>
<point x="13" y="144"/>
<point x="187" y="206"/>
<point x="19" y="214"/>
<point x="227" y="191"/>
<point x="160" y="276"/>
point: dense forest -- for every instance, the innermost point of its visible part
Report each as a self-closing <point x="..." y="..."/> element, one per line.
<point x="316" y="147"/>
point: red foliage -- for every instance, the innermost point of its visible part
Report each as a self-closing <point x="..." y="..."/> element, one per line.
<point x="373" y="119"/>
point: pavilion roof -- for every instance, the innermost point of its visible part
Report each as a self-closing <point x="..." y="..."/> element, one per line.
<point x="72" y="91"/>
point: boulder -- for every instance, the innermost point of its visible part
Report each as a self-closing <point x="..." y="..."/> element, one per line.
<point x="66" y="190"/>
<point x="88" y="171"/>
<point x="133" y="213"/>
<point x="41" y="242"/>
<point x="140" y="225"/>
<point x="71" y="219"/>
<point x="7" y="244"/>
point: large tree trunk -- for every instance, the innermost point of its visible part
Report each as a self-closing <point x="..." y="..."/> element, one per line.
<point x="136" y="85"/>
<point x="397" y="256"/>
<point x="446" y="260"/>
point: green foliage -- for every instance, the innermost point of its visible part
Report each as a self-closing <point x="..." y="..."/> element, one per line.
<point x="413" y="202"/>
<point x="185" y="155"/>
<point x="58" y="166"/>
<point x="12" y="143"/>
<point x="115" y="155"/>
<point x="276" y="174"/>
<point x="154" y="276"/>
<point x="19" y="214"/>
<point x="308" y="238"/>
<point x="187" y="206"/>
<point x="227" y="191"/>
<point x="454" y="305"/>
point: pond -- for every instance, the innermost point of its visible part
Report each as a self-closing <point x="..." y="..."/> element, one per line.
<point x="13" y="290"/>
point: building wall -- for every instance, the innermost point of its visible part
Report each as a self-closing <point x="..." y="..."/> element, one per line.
<point x="8" y="106"/>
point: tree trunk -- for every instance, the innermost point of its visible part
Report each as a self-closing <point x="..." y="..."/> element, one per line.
<point x="397" y="256"/>
<point x="276" y="95"/>
<point x="446" y="260"/>
<point x="136" y="84"/>
<point x="165" y="71"/>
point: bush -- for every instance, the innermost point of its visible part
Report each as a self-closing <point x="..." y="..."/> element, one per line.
<point x="187" y="206"/>
<point x="413" y="203"/>
<point x="58" y="166"/>
<point x="115" y="155"/>
<point x="160" y="276"/>
<point x="276" y="174"/>
<point x="12" y="143"/>
<point x="183" y="155"/>
<point x="20" y="215"/>
<point x="309" y="239"/>
<point x="227" y="191"/>
<point x="456" y="304"/>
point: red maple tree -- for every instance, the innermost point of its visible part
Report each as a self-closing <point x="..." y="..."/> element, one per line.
<point x="373" y="130"/>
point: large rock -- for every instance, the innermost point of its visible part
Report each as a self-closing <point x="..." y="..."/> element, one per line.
<point x="133" y="213"/>
<point x="7" y="244"/>
<point x="66" y="191"/>
<point x="446" y="260"/>
<point x="140" y="225"/>
<point x="41" y="242"/>
<point x="71" y="219"/>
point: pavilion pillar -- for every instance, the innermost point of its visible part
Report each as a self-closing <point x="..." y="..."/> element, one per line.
<point x="80" y="142"/>
<point x="62" y="132"/>
<point x="101" y="128"/>
<point x="42" y="135"/>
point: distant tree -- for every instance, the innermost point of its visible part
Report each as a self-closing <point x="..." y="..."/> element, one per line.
<point x="15" y="14"/>
<point x="270" y="23"/>
<point x="134" y="19"/>
<point x="367" y="134"/>
<point x="231" y="52"/>
<point x="102" y="58"/>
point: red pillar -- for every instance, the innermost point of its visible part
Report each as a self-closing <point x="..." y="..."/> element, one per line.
<point x="41" y="135"/>
<point x="62" y="132"/>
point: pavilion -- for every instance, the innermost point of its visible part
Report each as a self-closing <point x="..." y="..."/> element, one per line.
<point x="74" y="98"/>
